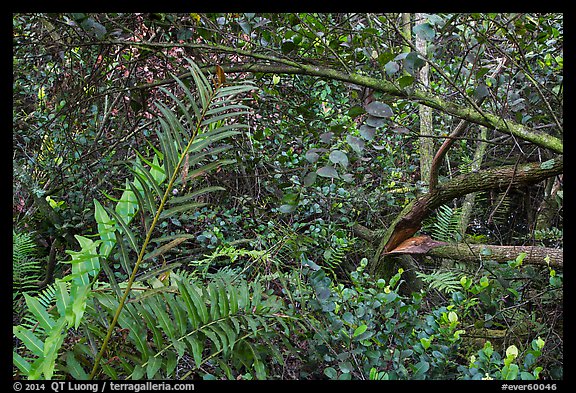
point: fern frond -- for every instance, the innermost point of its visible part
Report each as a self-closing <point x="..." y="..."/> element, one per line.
<point x="443" y="281"/>
<point x="212" y="322"/>
<point x="335" y="254"/>
<point x="26" y="267"/>
<point x="46" y="299"/>
<point x="446" y="225"/>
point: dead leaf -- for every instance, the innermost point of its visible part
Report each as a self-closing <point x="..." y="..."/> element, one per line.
<point x="220" y="76"/>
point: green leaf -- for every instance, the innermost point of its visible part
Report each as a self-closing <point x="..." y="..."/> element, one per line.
<point x="223" y="300"/>
<point x="213" y="295"/>
<point x="195" y="194"/>
<point x="85" y="262"/>
<point x="146" y="179"/>
<point x="339" y="157"/>
<point x="171" y="363"/>
<point x="376" y="122"/>
<point x="356" y="111"/>
<point x="208" y="167"/>
<point x="30" y="340"/>
<point x="153" y="366"/>
<point x="420" y="369"/>
<point x="424" y="31"/>
<point x="510" y="372"/>
<point x="481" y="91"/>
<point x="520" y="258"/>
<point x="127" y="205"/>
<point x="74" y="367"/>
<point x="190" y="97"/>
<point x="165" y="248"/>
<point x="287" y="208"/>
<point x="191" y="290"/>
<point x="413" y="62"/>
<point x="327" y="171"/>
<point x="233" y="300"/>
<point x="165" y="322"/>
<point x="230" y="335"/>
<point x="426" y="342"/>
<point x="288" y="46"/>
<point x="309" y="179"/>
<point x="138" y="372"/>
<point x="44" y="319"/>
<point x="202" y="84"/>
<point x="123" y="254"/>
<point x="213" y="334"/>
<point x="51" y="347"/>
<point x="125" y="229"/>
<point x="106" y="229"/>
<point x="379" y="109"/>
<point x="260" y="369"/>
<point x="405" y="81"/>
<point x="79" y="294"/>
<point x="21" y="363"/>
<point x="326" y="137"/>
<point x="346" y="367"/>
<point x="355" y="143"/>
<point x="197" y="348"/>
<point x="359" y="330"/>
<point x="367" y="132"/>
<point x="311" y="156"/>
<point x="181" y="208"/>
<point x="391" y="68"/>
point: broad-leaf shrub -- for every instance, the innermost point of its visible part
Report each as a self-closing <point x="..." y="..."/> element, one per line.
<point x="489" y="364"/>
<point x="368" y="330"/>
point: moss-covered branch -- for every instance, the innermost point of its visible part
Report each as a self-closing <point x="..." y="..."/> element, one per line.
<point x="477" y="252"/>
<point x="410" y="219"/>
<point x="264" y="63"/>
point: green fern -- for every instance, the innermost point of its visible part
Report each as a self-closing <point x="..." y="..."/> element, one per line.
<point x="46" y="299"/>
<point x="26" y="267"/>
<point x="222" y="320"/>
<point x="499" y="209"/>
<point x="446" y="225"/>
<point x="187" y="136"/>
<point x="443" y="281"/>
<point x="335" y="254"/>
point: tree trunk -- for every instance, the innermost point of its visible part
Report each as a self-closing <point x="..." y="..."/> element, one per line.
<point x="477" y="252"/>
<point x="469" y="200"/>
<point x="549" y="207"/>
<point x="426" y="144"/>
<point x="501" y="178"/>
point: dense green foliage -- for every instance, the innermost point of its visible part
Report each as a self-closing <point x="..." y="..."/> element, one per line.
<point x="214" y="186"/>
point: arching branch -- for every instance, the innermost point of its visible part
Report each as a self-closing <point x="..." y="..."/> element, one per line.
<point x="264" y="63"/>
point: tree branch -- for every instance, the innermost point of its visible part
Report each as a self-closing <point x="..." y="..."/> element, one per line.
<point x="273" y="64"/>
<point x="409" y="221"/>
<point x="476" y="252"/>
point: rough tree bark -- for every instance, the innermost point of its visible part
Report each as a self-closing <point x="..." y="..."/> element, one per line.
<point x="426" y="144"/>
<point x="501" y="178"/>
<point x="468" y="203"/>
<point x="477" y="252"/>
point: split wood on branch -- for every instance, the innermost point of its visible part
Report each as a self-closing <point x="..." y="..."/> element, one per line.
<point x="510" y="176"/>
<point x="500" y="178"/>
